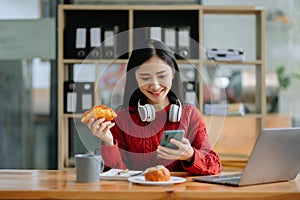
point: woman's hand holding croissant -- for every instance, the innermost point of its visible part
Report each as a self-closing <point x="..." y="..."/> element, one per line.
<point x="101" y="129"/>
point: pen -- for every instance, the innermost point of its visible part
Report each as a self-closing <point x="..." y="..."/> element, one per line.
<point x="122" y="172"/>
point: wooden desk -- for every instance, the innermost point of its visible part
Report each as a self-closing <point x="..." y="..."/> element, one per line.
<point x="37" y="184"/>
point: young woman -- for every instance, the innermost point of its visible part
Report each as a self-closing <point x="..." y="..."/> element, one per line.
<point x="154" y="102"/>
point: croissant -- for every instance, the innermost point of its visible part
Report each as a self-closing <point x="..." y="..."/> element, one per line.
<point x="98" y="111"/>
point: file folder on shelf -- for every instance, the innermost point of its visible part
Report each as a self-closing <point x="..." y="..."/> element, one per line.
<point x="170" y="37"/>
<point x="183" y="42"/>
<point x="85" y="92"/>
<point x="70" y="97"/>
<point x="140" y="34"/>
<point x="95" y="43"/>
<point x="155" y="33"/>
<point x="78" y="96"/>
<point x="110" y="42"/>
<point x="80" y="42"/>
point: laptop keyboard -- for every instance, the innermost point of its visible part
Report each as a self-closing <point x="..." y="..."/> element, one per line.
<point x="231" y="179"/>
<point x="228" y="176"/>
<point x="225" y="179"/>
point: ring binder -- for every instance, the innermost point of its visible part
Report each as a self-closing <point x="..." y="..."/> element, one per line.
<point x="95" y="42"/>
<point x="86" y="96"/>
<point x="80" y="43"/>
<point x="170" y="37"/>
<point x="184" y="49"/>
<point x="155" y="33"/>
<point x="143" y="33"/>
<point x="70" y="97"/>
<point x="78" y="96"/>
<point x="110" y="42"/>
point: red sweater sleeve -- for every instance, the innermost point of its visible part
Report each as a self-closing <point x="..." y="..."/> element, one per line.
<point x="114" y="155"/>
<point x="205" y="160"/>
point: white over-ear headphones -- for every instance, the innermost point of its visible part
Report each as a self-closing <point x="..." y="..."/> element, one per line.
<point x="147" y="112"/>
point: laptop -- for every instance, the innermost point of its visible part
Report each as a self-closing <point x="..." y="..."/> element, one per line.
<point x="275" y="157"/>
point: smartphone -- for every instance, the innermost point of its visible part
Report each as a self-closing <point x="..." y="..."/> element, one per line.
<point x="168" y="135"/>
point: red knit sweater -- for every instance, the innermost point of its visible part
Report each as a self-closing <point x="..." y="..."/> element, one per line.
<point x="136" y="142"/>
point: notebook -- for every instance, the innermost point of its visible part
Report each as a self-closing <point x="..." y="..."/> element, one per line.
<point x="119" y="174"/>
<point x="275" y="157"/>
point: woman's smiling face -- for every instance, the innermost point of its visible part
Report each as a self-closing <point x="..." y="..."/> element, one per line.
<point x="154" y="78"/>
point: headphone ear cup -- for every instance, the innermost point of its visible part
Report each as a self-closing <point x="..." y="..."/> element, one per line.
<point x="179" y="112"/>
<point x="142" y="112"/>
<point x="173" y="113"/>
<point x="146" y="112"/>
<point x="150" y="112"/>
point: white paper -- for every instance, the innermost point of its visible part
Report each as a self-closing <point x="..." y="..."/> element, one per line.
<point x="109" y="38"/>
<point x="86" y="101"/>
<point x="80" y="38"/>
<point x="71" y="101"/>
<point x="183" y="37"/>
<point x="170" y="37"/>
<point x="95" y="37"/>
<point x="112" y="174"/>
<point x="155" y="33"/>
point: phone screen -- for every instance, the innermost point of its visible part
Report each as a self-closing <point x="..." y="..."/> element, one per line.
<point x="168" y="135"/>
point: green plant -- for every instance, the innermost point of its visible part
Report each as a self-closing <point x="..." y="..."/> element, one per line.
<point x="284" y="78"/>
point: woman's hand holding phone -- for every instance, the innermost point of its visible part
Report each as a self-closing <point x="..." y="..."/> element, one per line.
<point x="184" y="152"/>
<point x="174" y="147"/>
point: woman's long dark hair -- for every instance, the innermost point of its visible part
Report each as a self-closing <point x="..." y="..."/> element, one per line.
<point x="144" y="52"/>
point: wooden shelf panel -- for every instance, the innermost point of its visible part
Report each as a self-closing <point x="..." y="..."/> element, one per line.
<point x="98" y="61"/>
<point x="250" y="115"/>
<point x="130" y="7"/>
<point x="233" y="10"/>
<point x="116" y="61"/>
<point x="122" y="61"/>
<point x="72" y="115"/>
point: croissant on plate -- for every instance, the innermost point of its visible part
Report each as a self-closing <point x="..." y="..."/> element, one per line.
<point x="98" y="111"/>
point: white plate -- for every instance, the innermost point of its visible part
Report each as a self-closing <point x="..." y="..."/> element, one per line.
<point x="141" y="180"/>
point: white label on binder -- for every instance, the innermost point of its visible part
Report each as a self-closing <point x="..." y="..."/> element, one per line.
<point x="183" y="38"/>
<point x="80" y="38"/>
<point x="170" y="37"/>
<point x="109" y="39"/>
<point x="95" y="37"/>
<point x="155" y="33"/>
<point x="71" y="101"/>
<point x="86" y="101"/>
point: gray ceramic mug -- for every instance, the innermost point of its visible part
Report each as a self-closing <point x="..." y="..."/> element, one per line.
<point x="88" y="167"/>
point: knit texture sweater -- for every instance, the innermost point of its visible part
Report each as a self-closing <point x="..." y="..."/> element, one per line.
<point x="135" y="142"/>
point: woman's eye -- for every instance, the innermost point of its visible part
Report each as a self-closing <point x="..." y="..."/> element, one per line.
<point x="145" y="79"/>
<point x="162" y="76"/>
